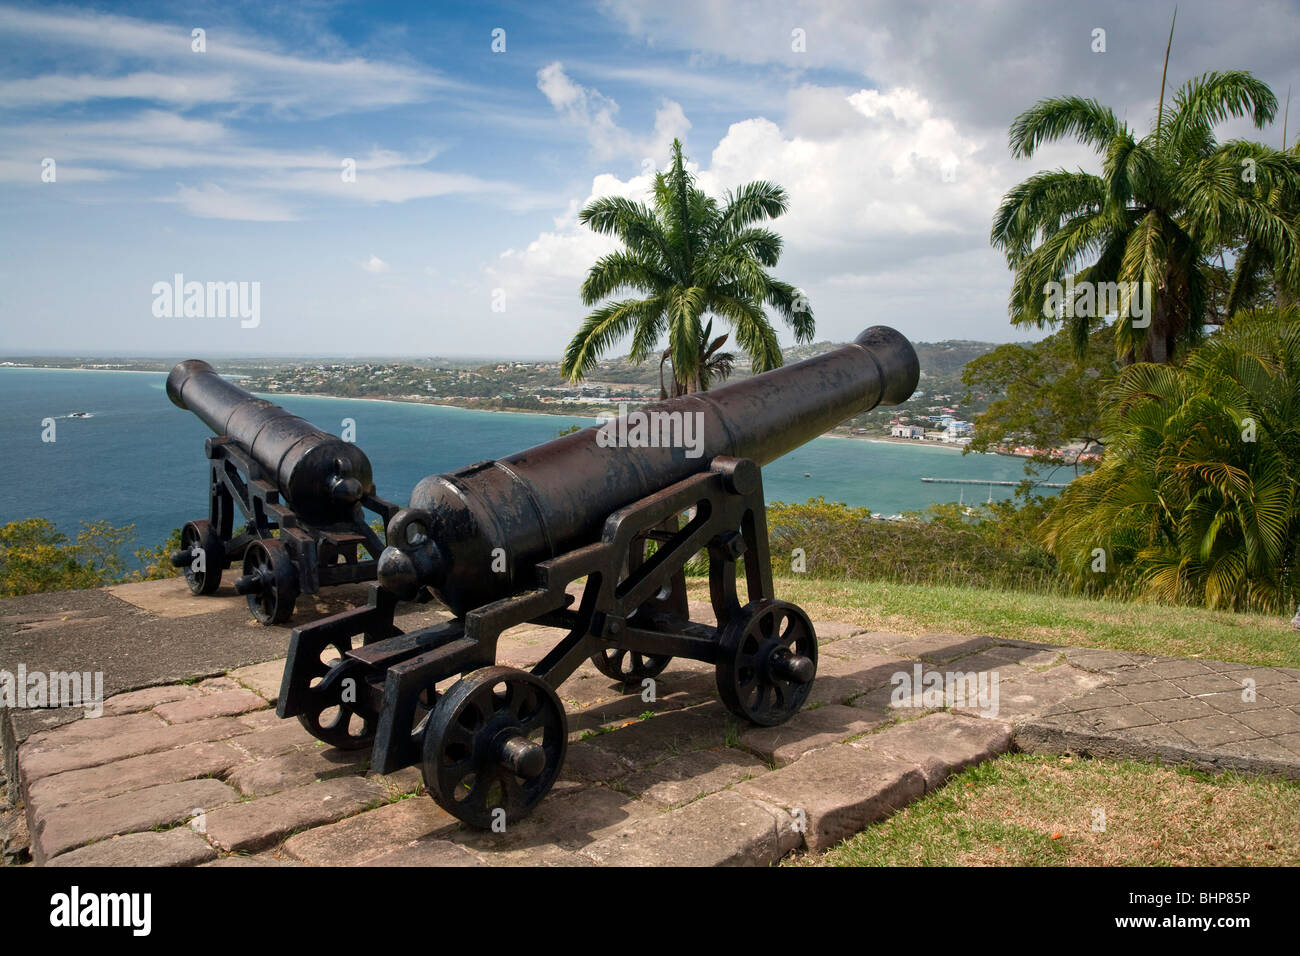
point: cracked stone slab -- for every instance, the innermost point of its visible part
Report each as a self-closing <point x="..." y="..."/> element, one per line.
<point x="837" y="791"/>
<point x="35" y="761"/>
<point x="141" y="700"/>
<point x="202" y="759"/>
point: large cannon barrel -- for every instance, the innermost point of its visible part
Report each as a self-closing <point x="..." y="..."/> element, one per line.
<point x="535" y="504"/>
<point x="321" y="476"/>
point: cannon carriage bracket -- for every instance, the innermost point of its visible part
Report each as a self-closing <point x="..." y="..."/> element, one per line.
<point x="493" y="742"/>
<point x="281" y="555"/>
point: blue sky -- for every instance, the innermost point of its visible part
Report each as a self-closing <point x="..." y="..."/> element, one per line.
<point x="885" y="122"/>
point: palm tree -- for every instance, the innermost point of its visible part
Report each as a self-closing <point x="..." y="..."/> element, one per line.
<point x="687" y="256"/>
<point x="713" y="364"/>
<point x="1198" y="497"/>
<point x="1163" y="205"/>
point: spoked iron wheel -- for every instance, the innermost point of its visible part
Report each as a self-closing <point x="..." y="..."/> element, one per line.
<point x="628" y="667"/>
<point x="202" y="557"/>
<point x="336" y="707"/>
<point x="270" y="581"/>
<point x="767" y="659"/>
<point x="494" y="742"/>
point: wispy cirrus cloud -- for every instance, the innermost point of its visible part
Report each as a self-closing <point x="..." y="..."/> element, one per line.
<point x="234" y="68"/>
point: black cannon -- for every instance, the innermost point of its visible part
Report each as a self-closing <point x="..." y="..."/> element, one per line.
<point x="501" y="542"/>
<point x="301" y="496"/>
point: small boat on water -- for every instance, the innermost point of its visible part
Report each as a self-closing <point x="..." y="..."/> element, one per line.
<point x="80" y="415"/>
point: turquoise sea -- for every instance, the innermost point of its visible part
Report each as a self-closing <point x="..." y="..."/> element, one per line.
<point x="139" y="459"/>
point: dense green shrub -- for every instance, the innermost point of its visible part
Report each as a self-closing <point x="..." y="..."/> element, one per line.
<point x="992" y="546"/>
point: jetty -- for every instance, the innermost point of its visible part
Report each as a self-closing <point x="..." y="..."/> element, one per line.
<point x="979" y="481"/>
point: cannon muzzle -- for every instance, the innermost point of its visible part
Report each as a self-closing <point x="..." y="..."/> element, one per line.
<point x="474" y="535"/>
<point x="321" y="476"/>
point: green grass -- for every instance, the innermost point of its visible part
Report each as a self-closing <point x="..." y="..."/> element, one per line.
<point x="1045" y="618"/>
<point x="1024" y="810"/>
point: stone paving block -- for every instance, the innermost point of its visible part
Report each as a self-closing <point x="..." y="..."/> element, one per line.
<point x="1034" y="656"/>
<point x="263" y="720"/>
<point x="90" y="730"/>
<point x="840" y="790"/>
<point x="1176" y="668"/>
<point x="1282" y="693"/>
<point x="1214" y="731"/>
<point x="259" y="823"/>
<point x="649" y="741"/>
<point x="140" y="700"/>
<point x="1208" y="684"/>
<point x="296" y="769"/>
<point x="569" y="821"/>
<point x="367" y="836"/>
<point x="540" y="855"/>
<point x="1226" y="667"/>
<point x="279" y="738"/>
<point x="828" y="631"/>
<point x="35" y="763"/>
<point x="724" y="829"/>
<point x="1146" y="692"/>
<point x="940" y="745"/>
<point x="226" y="703"/>
<point x="942" y="648"/>
<point x="1033" y="692"/>
<point x="809" y="730"/>
<point x="1232" y="703"/>
<point x="1180" y="708"/>
<point x="427" y="853"/>
<point x="263" y="679"/>
<point x="1290" y="741"/>
<point x="1264" y="677"/>
<point x="1107" y="661"/>
<point x="1262" y="749"/>
<point x="160" y="806"/>
<point x="179" y="846"/>
<point x="257" y="859"/>
<point x="588" y="762"/>
<point x="869" y="642"/>
<point x="401" y="782"/>
<point x="1110" y="719"/>
<point x="681" y="779"/>
<point x="840" y="680"/>
<point x="208" y="758"/>
<point x="1114" y="696"/>
<point x="218" y="685"/>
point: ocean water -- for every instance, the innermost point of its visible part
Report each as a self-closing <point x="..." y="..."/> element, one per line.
<point x="139" y="460"/>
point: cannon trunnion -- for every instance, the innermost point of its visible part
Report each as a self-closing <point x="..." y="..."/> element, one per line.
<point x="287" y="502"/>
<point x="508" y="542"/>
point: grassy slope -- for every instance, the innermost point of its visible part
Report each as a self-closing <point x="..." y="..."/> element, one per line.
<point x="1025" y="810"/>
<point x="1050" y="619"/>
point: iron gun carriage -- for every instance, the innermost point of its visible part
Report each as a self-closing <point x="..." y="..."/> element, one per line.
<point x="286" y="501"/>
<point x="502" y="543"/>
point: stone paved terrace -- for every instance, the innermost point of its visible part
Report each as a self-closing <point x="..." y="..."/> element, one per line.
<point x="676" y="781"/>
